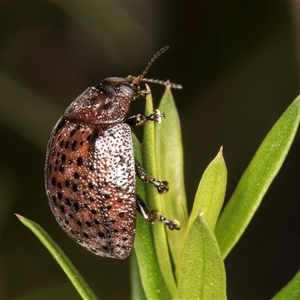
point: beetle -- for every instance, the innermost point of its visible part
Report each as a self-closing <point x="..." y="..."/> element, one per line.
<point x="90" y="167"/>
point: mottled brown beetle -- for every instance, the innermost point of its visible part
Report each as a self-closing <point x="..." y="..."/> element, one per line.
<point x="90" y="167"/>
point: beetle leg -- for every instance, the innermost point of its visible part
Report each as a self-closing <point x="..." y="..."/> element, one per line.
<point x="161" y="186"/>
<point x="140" y="119"/>
<point x="154" y="215"/>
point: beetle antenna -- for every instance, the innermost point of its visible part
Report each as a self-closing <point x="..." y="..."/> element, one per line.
<point x="138" y="79"/>
<point x="161" y="82"/>
<point x="152" y="60"/>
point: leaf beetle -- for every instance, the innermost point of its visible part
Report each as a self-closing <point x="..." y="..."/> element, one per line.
<point x="90" y="167"/>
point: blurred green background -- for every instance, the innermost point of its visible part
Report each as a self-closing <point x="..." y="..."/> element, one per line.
<point x="239" y="66"/>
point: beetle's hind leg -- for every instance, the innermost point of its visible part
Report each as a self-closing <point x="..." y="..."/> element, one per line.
<point x="161" y="186"/>
<point x="154" y="215"/>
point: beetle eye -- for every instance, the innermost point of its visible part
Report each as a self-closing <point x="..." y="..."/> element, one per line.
<point x="126" y="90"/>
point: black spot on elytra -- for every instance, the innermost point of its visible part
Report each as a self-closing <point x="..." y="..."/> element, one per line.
<point x="67" y="144"/>
<point x="119" y="200"/>
<point x="113" y="221"/>
<point x="59" y="195"/>
<point x="71" y="216"/>
<point x="81" y="143"/>
<point x="54" y="200"/>
<point x="61" y="144"/>
<point x="62" y="209"/>
<point x="106" y="196"/>
<point x="86" y="235"/>
<point x="124" y="229"/>
<point x="74" y="145"/>
<point x="63" y="158"/>
<point x="56" y="161"/>
<point x="121" y="214"/>
<point x="105" y="247"/>
<point x="74" y="187"/>
<point x="88" y="224"/>
<point x="59" y="185"/>
<point x="79" y="223"/>
<point x="92" y="138"/>
<point x="68" y="201"/>
<point x="76" y="175"/>
<point x="67" y="221"/>
<point x="61" y="169"/>
<point x="101" y="234"/>
<point x="97" y="222"/>
<point x="67" y="183"/>
<point x="76" y="206"/>
<point x="91" y="185"/>
<point x="80" y="161"/>
<point x="124" y="239"/>
<point x="92" y="199"/>
<point x="92" y="168"/>
<point x="53" y="181"/>
<point x="93" y="211"/>
<point x="108" y="207"/>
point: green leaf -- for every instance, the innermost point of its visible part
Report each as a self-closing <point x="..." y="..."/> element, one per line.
<point x="211" y="191"/>
<point x="150" y="275"/>
<point x="202" y="274"/>
<point x="257" y="179"/>
<point x="154" y="201"/>
<point x="291" y="290"/>
<point x="169" y="165"/>
<point x="137" y="290"/>
<point x="81" y="286"/>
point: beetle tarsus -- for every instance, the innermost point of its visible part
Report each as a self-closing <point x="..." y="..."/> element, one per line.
<point x="141" y="119"/>
<point x="154" y="215"/>
<point x="161" y="186"/>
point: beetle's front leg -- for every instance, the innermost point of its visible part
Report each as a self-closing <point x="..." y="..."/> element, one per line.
<point x="140" y="119"/>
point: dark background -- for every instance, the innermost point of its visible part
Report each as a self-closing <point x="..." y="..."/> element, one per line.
<point x="239" y="65"/>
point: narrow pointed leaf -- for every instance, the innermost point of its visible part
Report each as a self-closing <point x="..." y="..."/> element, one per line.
<point x="202" y="274"/>
<point x="169" y="162"/>
<point x="257" y="178"/>
<point x="150" y="275"/>
<point x="211" y="191"/>
<point x="154" y="201"/>
<point x="291" y="290"/>
<point x="79" y="283"/>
